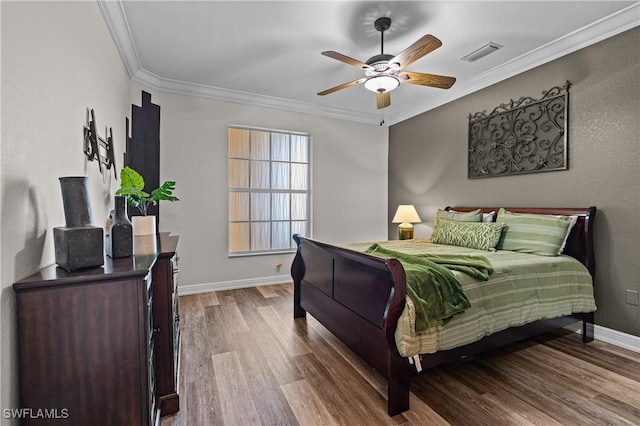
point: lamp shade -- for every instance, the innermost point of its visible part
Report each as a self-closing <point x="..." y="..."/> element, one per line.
<point x="406" y="213"/>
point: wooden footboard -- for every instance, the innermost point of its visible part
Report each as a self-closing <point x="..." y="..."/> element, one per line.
<point x="359" y="298"/>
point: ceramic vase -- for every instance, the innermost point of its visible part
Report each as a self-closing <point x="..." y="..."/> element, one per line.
<point x="78" y="244"/>
<point x="120" y="239"/>
<point x="144" y="225"/>
<point x="75" y="200"/>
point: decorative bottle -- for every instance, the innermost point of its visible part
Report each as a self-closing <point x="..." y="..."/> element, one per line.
<point x="120" y="239"/>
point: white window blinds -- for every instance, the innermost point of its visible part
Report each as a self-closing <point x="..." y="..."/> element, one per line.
<point x="269" y="193"/>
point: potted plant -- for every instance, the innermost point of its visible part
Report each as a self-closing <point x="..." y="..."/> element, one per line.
<point x="132" y="188"/>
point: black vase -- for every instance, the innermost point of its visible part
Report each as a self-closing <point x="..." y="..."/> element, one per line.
<point x="120" y="239"/>
<point x="77" y="245"/>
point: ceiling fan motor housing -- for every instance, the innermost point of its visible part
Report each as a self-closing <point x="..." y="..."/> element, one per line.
<point x="382" y="24"/>
<point x="380" y="62"/>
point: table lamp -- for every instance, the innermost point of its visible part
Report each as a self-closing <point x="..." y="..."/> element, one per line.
<point x="405" y="216"/>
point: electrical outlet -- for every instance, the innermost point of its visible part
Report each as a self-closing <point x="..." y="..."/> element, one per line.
<point x="632" y="297"/>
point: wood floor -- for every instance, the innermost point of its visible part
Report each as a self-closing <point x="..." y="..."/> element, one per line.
<point x="246" y="361"/>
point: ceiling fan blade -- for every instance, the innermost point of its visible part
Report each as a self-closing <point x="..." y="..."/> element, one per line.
<point x="383" y="100"/>
<point x="417" y="50"/>
<point x="346" y="59"/>
<point x="342" y="86"/>
<point x="432" y="80"/>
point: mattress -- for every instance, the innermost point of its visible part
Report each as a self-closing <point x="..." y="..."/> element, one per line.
<point x="523" y="288"/>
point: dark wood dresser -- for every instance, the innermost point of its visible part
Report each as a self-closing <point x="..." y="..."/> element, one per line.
<point x="100" y="346"/>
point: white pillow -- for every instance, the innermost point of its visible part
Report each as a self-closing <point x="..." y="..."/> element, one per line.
<point x="488" y="217"/>
<point x="574" y="219"/>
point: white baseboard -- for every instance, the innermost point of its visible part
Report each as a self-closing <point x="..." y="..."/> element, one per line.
<point x="617" y="338"/>
<point x="231" y="285"/>
<point x="607" y="335"/>
<point x="613" y="337"/>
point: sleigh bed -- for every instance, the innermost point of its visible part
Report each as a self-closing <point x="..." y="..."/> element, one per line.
<point x="362" y="299"/>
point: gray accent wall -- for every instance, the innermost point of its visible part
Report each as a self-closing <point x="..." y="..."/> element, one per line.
<point x="428" y="162"/>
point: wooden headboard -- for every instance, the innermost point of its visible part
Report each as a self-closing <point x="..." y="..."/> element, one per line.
<point x="580" y="241"/>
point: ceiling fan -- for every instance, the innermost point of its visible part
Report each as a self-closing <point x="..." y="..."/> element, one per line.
<point x="384" y="72"/>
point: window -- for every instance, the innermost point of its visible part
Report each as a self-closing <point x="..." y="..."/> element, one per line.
<point x="269" y="195"/>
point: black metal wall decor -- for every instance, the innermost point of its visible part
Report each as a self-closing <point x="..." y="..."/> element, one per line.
<point x="97" y="148"/>
<point x="522" y="136"/>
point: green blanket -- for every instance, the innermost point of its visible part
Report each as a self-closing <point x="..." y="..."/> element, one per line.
<point x="434" y="290"/>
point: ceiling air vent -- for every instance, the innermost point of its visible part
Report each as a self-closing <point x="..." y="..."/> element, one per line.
<point x="481" y="52"/>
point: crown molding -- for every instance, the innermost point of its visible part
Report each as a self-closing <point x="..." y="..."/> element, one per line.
<point x="113" y="15"/>
<point x="609" y="26"/>
<point x="151" y="80"/>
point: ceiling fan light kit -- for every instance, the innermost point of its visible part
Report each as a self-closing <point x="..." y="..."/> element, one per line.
<point x="381" y="83"/>
<point x="384" y="72"/>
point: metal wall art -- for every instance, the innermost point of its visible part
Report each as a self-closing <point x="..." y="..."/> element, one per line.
<point x="97" y="148"/>
<point x="523" y="136"/>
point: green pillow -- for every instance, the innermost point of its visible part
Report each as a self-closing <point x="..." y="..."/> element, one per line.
<point x="533" y="233"/>
<point x="472" y="216"/>
<point x="477" y="235"/>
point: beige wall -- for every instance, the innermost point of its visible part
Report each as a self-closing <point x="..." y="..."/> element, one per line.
<point x="349" y="183"/>
<point x="428" y="162"/>
<point x="58" y="59"/>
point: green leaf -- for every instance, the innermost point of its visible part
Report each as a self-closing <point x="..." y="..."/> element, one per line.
<point x="132" y="187"/>
<point x="164" y="192"/>
<point x="132" y="192"/>
<point x="129" y="178"/>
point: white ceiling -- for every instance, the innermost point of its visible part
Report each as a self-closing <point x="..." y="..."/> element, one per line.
<point x="268" y="53"/>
